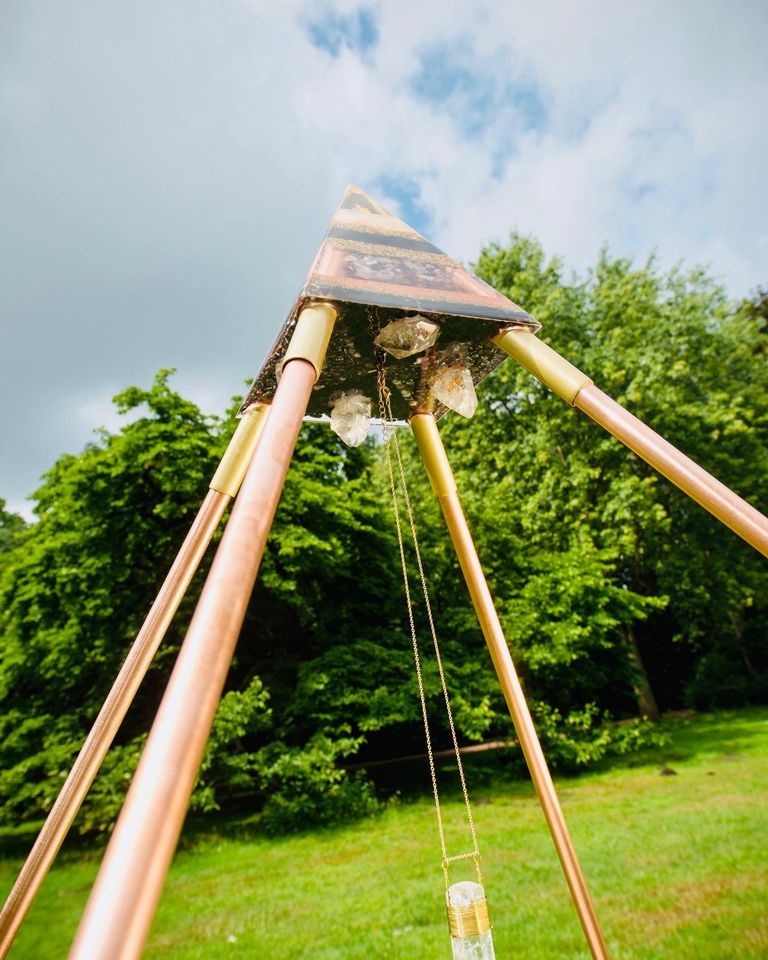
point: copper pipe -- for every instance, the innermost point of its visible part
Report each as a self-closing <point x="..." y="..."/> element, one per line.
<point x="443" y="483"/>
<point x="714" y="496"/>
<point x="130" y="881"/>
<point x="223" y="488"/>
<point x="111" y="715"/>
<point x="577" y="389"/>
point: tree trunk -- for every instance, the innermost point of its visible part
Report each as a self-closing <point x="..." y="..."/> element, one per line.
<point x="738" y="629"/>
<point x="646" y="701"/>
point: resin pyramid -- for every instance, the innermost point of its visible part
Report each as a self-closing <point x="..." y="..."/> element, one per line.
<point x="369" y="256"/>
<point x="376" y="268"/>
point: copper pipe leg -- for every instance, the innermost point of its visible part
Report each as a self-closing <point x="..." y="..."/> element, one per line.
<point x="124" y="898"/>
<point x="701" y="486"/>
<point x="431" y="448"/>
<point x="224" y="486"/>
<point x="111" y="715"/>
<point x="577" y="389"/>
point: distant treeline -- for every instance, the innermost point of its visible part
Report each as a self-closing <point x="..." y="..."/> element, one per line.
<point x="620" y="597"/>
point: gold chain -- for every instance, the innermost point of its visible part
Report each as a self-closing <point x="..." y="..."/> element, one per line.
<point x="390" y="440"/>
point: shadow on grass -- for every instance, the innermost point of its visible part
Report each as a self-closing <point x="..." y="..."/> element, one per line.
<point x="724" y="735"/>
<point x="17" y="841"/>
<point x="704" y="734"/>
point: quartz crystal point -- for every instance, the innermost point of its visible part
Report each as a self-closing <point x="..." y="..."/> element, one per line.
<point x="476" y="945"/>
<point x="402" y="338"/>
<point x="350" y="417"/>
<point x="453" y="386"/>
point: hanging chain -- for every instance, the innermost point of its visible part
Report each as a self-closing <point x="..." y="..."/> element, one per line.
<point x="391" y="440"/>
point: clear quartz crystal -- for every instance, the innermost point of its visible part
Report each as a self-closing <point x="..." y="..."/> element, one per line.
<point x="470" y="948"/>
<point x="350" y="417"/>
<point x="453" y="386"/>
<point x="403" y="338"/>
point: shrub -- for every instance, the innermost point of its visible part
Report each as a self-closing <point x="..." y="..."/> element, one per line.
<point x="305" y="788"/>
<point x="582" y="737"/>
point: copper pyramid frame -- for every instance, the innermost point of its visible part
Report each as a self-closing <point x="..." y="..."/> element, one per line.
<point x="339" y="310"/>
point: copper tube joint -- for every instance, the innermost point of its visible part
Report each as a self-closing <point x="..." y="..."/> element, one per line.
<point x="223" y="487"/>
<point x="577" y="389"/>
<point x="543" y="362"/>
<point x="239" y="453"/>
<point x="310" y="336"/>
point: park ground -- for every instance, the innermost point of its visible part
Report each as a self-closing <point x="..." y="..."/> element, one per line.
<point x="672" y="841"/>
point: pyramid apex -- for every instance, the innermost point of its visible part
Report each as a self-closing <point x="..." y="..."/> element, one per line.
<point x="376" y="268"/>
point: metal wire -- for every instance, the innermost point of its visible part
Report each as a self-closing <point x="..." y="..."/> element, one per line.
<point x="389" y="437"/>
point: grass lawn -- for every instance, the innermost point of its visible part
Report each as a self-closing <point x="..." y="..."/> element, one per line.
<point x="677" y="865"/>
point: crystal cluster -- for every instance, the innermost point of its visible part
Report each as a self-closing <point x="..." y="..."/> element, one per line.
<point x="479" y="947"/>
<point x="407" y="336"/>
<point x="350" y="417"/>
<point x="453" y="386"/>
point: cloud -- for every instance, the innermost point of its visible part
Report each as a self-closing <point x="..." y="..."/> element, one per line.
<point x="482" y="100"/>
<point x="169" y="169"/>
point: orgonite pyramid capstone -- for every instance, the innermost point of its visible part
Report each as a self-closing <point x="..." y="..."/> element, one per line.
<point x="377" y="270"/>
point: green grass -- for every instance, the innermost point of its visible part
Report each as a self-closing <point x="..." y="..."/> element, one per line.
<point x="677" y="865"/>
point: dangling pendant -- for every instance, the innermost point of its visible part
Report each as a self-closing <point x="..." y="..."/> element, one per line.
<point x="469" y="923"/>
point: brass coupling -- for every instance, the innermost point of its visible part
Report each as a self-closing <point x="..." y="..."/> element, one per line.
<point x="543" y="362"/>
<point x="311" y="334"/>
<point x="433" y="454"/>
<point x="230" y="472"/>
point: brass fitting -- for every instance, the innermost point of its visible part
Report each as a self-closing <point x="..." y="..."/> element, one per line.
<point x="432" y="452"/>
<point x="543" y="362"/>
<point x="230" y="472"/>
<point x="310" y="336"/>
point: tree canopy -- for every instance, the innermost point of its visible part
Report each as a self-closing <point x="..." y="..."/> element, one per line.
<point x="671" y="348"/>
<point x="617" y="593"/>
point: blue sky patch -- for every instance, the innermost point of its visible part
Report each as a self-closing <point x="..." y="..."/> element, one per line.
<point x="407" y="193"/>
<point x="476" y="99"/>
<point x="332" y="31"/>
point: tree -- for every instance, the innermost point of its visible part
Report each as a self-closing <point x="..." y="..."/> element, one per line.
<point x="73" y="598"/>
<point x="12" y="525"/>
<point x="615" y="590"/>
<point x="601" y="558"/>
<point x="74" y="593"/>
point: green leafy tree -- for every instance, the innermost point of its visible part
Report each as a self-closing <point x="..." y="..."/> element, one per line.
<point x="12" y="525"/>
<point x="614" y="589"/>
<point x="601" y="558"/>
<point x="74" y="595"/>
<point x="75" y="591"/>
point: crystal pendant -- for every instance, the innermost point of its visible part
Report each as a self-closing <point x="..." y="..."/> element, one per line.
<point x="469" y="923"/>
<point x="453" y="386"/>
<point x="350" y="417"/>
<point x="402" y="338"/>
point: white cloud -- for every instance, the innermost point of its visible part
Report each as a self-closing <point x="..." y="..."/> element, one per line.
<point x="665" y="103"/>
<point x="169" y="170"/>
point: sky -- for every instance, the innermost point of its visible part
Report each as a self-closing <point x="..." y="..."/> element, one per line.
<point x="168" y="168"/>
